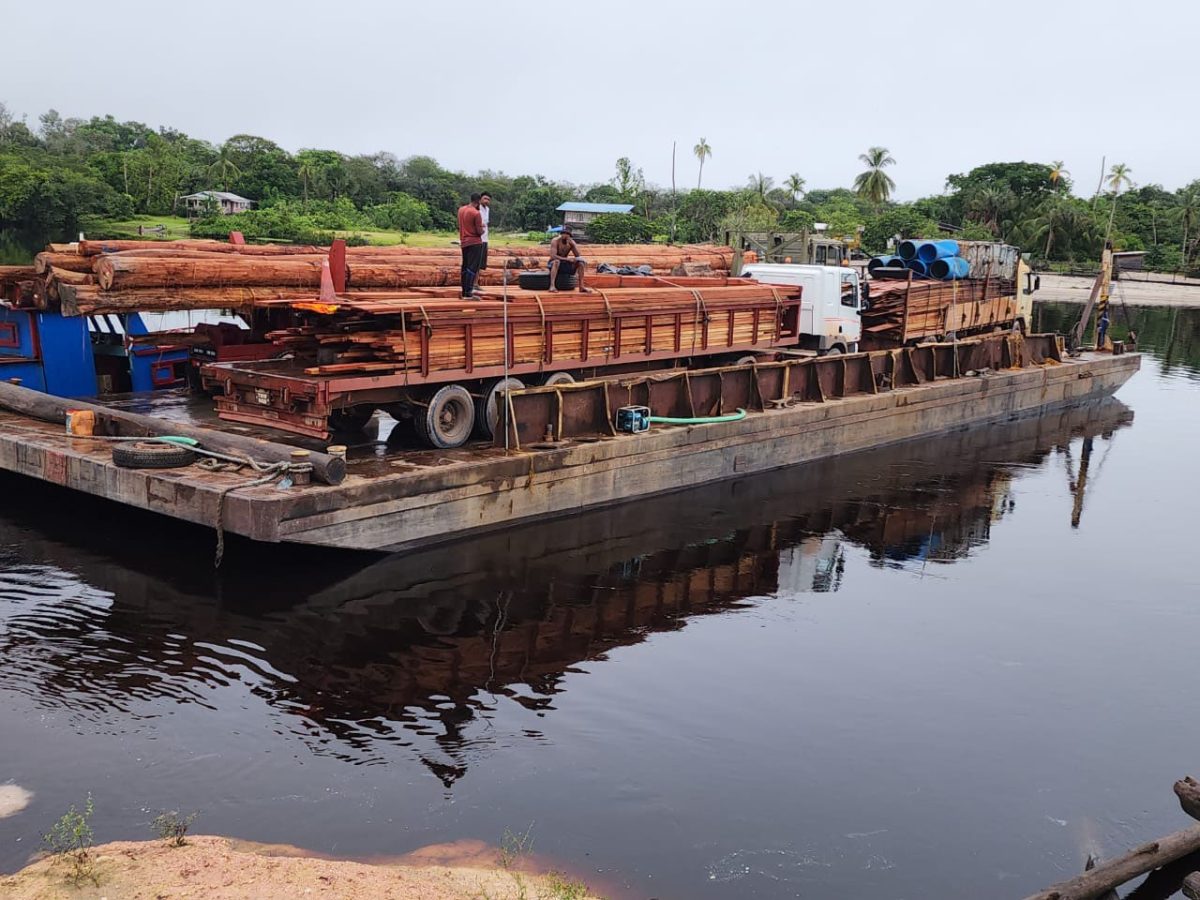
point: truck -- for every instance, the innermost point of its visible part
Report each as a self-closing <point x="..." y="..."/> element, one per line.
<point x="794" y="247"/>
<point x="903" y="307"/>
<point x="831" y="303"/>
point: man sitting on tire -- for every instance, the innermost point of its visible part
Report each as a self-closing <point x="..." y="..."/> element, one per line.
<point x="561" y="249"/>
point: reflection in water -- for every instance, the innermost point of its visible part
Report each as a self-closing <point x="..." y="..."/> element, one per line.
<point x="411" y="653"/>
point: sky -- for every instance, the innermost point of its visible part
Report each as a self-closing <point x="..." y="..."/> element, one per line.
<point x="562" y="89"/>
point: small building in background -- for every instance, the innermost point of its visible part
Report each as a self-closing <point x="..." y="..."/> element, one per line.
<point x="227" y="203"/>
<point x="578" y="214"/>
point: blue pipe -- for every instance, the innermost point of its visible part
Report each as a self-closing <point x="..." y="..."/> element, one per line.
<point x="907" y="250"/>
<point x="928" y="251"/>
<point x="882" y="262"/>
<point x="917" y="267"/>
<point x="949" y="268"/>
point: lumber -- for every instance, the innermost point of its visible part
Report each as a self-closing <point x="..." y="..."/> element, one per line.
<point x="327" y="469"/>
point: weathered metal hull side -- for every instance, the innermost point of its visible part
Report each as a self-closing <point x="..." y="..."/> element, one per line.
<point x="427" y="504"/>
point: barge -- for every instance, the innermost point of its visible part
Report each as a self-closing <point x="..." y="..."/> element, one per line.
<point x="395" y="497"/>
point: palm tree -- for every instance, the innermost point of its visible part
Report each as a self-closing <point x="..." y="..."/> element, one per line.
<point x="760" y="184"/>
<point x="795" y="186"/>
<point x="990" y="207"/>
<point x="1060" y="222"/>
<point x="703" y="152"/>
<point x="307" y="170"/>
<point x="1188" y="212"/>
<point x="875" y="184"/>
<point x="1058" y="171"/>
<point x="1118" y="177"/>
<point x="224" y="169"/>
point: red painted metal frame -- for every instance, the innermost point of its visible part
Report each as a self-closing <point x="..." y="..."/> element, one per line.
<point x="10" y="337"/>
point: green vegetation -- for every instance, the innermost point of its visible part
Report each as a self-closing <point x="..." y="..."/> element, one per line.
<point x="107" y="177"/>
<point x="71" y="839"/>
<point x="173" y="827"/>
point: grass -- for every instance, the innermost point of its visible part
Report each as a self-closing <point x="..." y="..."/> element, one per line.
<point x="177" y="227"/>
<point x="70" y="838"/>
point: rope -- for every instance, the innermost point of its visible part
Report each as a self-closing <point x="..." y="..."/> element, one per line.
<point x="542" y="352"/>
<point x="608" y="311"/>
<point x="778" y="312"/>
<point x="276" y="469"/>
<point x="696" y="318"/>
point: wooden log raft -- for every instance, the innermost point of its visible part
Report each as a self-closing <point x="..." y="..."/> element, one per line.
<point x="114" y="422"/>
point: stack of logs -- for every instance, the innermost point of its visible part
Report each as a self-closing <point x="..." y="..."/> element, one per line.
<point x="123" y="276"/>
<point x="422" y="333"/>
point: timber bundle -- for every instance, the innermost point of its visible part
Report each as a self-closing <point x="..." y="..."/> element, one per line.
<point x="644" y="317"/>
<point x="900" y="309"/>
<point x="127" y="276"/>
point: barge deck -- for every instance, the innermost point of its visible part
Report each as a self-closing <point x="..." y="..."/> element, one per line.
<point x="395" y="497"/>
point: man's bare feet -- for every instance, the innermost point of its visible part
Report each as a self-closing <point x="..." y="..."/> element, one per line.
<point x="554" y="290"/>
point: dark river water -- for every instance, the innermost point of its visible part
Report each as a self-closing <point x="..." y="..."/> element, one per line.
<point x="945" y="669"/>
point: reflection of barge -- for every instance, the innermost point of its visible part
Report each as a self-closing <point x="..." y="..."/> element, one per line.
<point x="808" y="410"/>
<point x="401" y="648"/>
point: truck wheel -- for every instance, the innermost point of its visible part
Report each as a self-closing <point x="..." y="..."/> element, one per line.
<point x="746" y="360"/>
<point x="559" y="378"/>
<point x="447" y="421"/>
<point x="835" y="350"/>
<point x="487" y="408"/>
<point x="352" y="418"/>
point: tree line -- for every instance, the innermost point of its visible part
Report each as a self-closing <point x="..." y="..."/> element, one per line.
<point x="67" y="175"/>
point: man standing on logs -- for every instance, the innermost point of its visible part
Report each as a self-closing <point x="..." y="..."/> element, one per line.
<point x="561" y="249"/>
<point x="485" y="211"/>
<point x="470" y="238"/>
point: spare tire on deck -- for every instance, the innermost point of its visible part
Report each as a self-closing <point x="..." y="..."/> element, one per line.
<point x="151" y="455"/>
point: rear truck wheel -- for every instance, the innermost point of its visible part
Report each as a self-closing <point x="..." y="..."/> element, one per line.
<point x="447" y="421"/>
<point x="747" y="360"/>
<point x="487" y="408"/>
<point x="559" y="378"/>
<point x="835" y="350"/>
<point x="351" y="418"/>
<point x="151" y="455"/>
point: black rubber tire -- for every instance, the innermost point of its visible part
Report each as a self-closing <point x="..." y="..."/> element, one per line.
<point x="447" y="421"/>
<point x="558" y="378"/>
<point x="835" y="350"/>
<point x="746" y="360"/>
<point x="351" y="419"/>
<point x="540" y="281"/>
<point x="487" y="415"/>
<point x="151" y="455"/>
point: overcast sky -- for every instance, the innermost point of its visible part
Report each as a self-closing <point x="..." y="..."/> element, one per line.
<point x="564" y="88"/>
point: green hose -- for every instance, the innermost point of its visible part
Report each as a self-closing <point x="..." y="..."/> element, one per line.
<point x="699" y="420"/>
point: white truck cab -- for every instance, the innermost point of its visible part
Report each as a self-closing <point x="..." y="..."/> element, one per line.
<point x="830" y="302"/>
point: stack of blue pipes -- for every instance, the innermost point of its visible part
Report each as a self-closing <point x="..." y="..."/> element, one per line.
<point x="925" y="259"/>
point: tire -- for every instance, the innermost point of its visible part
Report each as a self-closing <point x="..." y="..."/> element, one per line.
<point x="835" y="350"/>
<point x="447" y="421"/>
<point x="559" y="378"/>
<point x="540" y="281"/>
<point x="352" y="418"/>
<point x="151" y="455"/>
<point x="487" y="412"/>
<point x="746" y="360"/>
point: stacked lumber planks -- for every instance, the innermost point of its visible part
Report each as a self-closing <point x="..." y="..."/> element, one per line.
<point x="902" y="311"/>
<point x="119" y="276"/>
<point x="430" y="334"/>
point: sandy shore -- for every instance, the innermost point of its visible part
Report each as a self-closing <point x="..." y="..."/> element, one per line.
<point x="223" y="869"/>
<point x="1071" y="289"/>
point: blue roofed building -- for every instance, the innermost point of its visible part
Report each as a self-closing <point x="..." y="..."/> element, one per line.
<point x="577" y="214"/>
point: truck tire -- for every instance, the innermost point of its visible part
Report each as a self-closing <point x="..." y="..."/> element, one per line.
<point x="487" y="410"/>
<point x="352" y="418"/>
<point x="559" y="378"/>
<point x="151" y="455"/>
<point x="835" y="350"/>
<point x="540" y="281"/>
<point x="447" y="421"/>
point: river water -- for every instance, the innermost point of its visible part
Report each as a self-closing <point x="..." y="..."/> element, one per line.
<point x="945" y="669"/>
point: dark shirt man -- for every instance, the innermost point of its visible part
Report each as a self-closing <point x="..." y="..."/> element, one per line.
<point x="470" y="238"/>
<point x="561" y="249"/>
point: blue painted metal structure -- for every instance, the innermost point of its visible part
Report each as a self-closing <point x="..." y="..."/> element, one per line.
<point x="48" y="352"/>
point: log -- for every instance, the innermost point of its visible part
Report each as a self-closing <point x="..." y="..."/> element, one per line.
<point x="69" y="261"/>
<point x="1187" y="789"/>
<point x="114" y="422"/>
<point x="86" y="300"/>
<point x="17" y="273"/>
<point x="95" y="248"/>
<point x="1116" y="872"/>
<point x="116" y="271"/>
<point x="67" y="276"/>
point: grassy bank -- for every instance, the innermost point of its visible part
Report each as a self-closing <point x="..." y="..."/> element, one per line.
<point x="178" y="227"/>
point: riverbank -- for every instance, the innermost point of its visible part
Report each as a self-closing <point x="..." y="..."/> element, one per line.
<point x="215" y="867"/>
<point x="1075" y="289"/>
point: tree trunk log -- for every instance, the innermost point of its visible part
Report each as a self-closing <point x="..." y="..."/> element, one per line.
<point x="43" y="262"/>
<point x="327" y="469"/>
<point x="95" y="248"/>
<point x="116" y="271"/>
<point x="1133" y="864"/>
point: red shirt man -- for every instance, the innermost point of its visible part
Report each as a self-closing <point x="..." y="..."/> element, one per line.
<point x="470" y="238"/>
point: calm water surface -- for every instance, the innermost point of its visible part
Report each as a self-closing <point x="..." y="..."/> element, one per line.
<point x="946" y="669"/>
